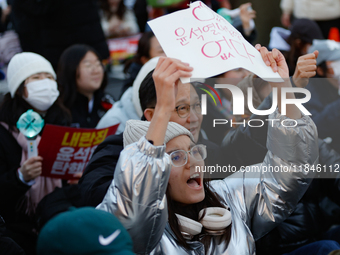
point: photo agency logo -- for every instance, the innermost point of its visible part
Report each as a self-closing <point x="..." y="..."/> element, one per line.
<point x="238" y="105"/>
<point x="204" y="97"/>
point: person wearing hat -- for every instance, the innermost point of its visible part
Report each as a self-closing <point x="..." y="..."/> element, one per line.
<point x="31" y="85"/>
<point x="302" y="34"/>
<point x="159" y="194"/>
<point x="84" y="231"/>
<point x="324" y="104"/>
<point x="99" y="172"/>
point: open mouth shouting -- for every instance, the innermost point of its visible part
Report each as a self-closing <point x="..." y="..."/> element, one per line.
<point x="195" y="181"/>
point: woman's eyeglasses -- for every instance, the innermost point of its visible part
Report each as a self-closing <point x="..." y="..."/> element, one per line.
<point x="180" y="157"/>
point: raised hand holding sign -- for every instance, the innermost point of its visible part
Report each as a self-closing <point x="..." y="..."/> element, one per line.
<point x="208" y="42"/>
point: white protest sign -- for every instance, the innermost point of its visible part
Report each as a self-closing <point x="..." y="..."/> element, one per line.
<point x="208" y="42"/>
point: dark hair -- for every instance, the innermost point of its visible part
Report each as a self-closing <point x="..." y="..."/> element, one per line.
<point x="148" y="99"/>
<point x="147" y="92"/>
<point x="143" y="50"/>
<point x="296" y="46"/>
<point x="303" y="31"/>
<point x="104" y="5"/>
<point x="12" y="108"/>
<point x="211" y="199"/>
<point x="67" y="72"/>
<point x="324" y="68"/>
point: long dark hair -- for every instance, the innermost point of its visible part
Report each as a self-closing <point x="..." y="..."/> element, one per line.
<point x="12" y="108"/>
<point x="143" y="50"/>
<point x="104" y="5"/>
<point x="211" y="199"/>
<point x="67" y="72"/>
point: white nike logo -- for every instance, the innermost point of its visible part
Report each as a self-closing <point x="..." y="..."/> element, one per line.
<point x="106" y="241"/>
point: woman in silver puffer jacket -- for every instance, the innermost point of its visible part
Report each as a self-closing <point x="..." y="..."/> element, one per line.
<point x="158" y="196"/>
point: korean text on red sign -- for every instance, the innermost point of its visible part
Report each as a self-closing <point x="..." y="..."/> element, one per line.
<point x="66" y="151"/>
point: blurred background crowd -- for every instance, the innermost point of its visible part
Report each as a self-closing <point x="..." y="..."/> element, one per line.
<point x="96" y="54"/>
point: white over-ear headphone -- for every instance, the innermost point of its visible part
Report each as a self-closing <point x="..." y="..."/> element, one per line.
<point x="216" y="219"/>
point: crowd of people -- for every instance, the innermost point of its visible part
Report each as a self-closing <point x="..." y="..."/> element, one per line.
<point x="140" y="192"/>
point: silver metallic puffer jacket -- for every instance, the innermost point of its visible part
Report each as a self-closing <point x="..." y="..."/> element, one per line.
<point x="258" y="199"/>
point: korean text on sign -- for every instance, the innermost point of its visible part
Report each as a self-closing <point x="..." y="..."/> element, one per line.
<point x="208" y="42"/>
<point x="66" y="151"/>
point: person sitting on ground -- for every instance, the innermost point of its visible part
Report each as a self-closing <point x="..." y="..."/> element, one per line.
<point x="165" y="207"/>
<point x="99" y="171"/>
<point x="32" y="85"/>
<point x="82" y="80"/>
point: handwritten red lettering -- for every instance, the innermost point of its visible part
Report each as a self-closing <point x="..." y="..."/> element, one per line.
<point x="248" y="54"/>
<point x="225" y="40"/>
<point x="235" y="48"/>
<point x="202" y="13"/>
<point x="183" y="41"/>
<point x="207" y="27"/>
<point x="225" y="57"/>
<point x="220" y="18"/>
<point x="222" y="28"/>
<point x="207" y="51"/>
<point x="238" y="51"/>
<point x="180" y="31"/>
<point x="192" y="31"/>
<point x="215" y="32"/>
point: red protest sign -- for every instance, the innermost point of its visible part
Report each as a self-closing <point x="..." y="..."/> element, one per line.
<point x="66" y="151"/>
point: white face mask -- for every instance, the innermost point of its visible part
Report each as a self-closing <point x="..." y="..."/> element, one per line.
<point x="42" y="94"/>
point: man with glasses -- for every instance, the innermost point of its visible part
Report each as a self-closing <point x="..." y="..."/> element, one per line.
<point x="99" y="172"/>
<point x="186" y="99"/>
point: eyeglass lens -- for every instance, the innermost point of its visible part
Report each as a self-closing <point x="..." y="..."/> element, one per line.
<point x="180" y="157"/>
